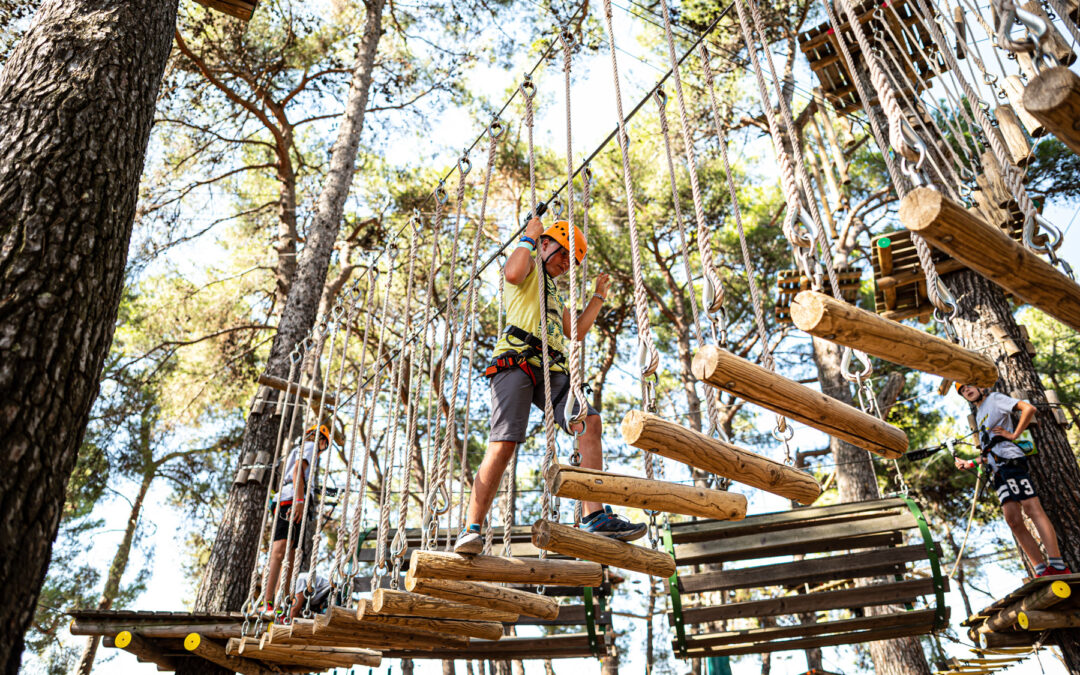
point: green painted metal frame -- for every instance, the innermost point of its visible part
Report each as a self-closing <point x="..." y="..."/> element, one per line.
<point x="676" y="599"/>
<point x="590" y="622"/>
<point x="941" y="609"/>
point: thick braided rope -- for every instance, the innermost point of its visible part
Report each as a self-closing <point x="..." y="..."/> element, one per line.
<point x="542" y="283"/>
<point x="800" y="164"/>
<point x="463" y="457"/>
<point x="433" y="361"/>
<point x="641" y="302"/>
<point x="388" y="465"/>
<point x="710" y="402"/>
<point x="507" y="508"/>
<point x="704" y="249"/>
<point x="361" y="501"/>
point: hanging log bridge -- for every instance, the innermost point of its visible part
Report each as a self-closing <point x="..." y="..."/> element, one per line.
<point x="1042" y="604"/>
<point x="867" y="540"/>
<point x="826" y="317"/>
<point x="761" y="386"/>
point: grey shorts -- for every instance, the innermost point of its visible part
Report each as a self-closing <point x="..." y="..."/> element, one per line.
<point x="513" y="394"/>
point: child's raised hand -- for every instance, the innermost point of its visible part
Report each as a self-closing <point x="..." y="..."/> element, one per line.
<point x="603" y="284"/>
<point x="961" y="463"/>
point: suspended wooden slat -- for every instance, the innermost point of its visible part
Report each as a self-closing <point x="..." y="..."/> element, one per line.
<point x="215" y="653"/>
<point x="1053" y="98"/>
<point x="296" y="656"/>
<point x="444" y="565"/>
<point x="1013" y="132"/>
<point x="758" y="385"/>
<point x="500" y="598"/>
<point x="241" y="9"/>
<point x="574" y="542"/>
<point x="674" y="441"/>
<point x="1014" y="89"/>
<point x="401" y="603"/>
<point x="366" y="635"/>
<point x="826" y="317"/>
<point x="215" y="631"/>
<point x="486" y="630"/>
<point x="553" y="647"/>
<point x="1035" y="620"/>
<point x="315" y="396"/>
<point x="641" y="493"/>
<point x="991" y="253"/>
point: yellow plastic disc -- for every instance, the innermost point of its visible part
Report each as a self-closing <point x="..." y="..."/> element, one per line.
<point x="191" y="642"/>
<point x="1022" y="619"/>
<point x="123" y="638"/>
<point x="1061" y="589"/>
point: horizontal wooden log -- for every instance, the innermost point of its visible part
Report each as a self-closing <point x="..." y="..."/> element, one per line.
<point x="1041" y="599"/>
<point x="553" y="646"/>
<point x="674" y="441"/>
<point x="569" y="615"/>
<point x="143" y="649"/>
<point x="215" y="653"/>
<point x="642" y="493"/>
<point x="769" y="633"/>
<point x="861" y="596"/>
<point x="1053" y="98"/>
<point x="214" y="631"/>
<point x="1006" y="640"/>
<point x="249" y="647"/>
<point x="485" y="630"/>
<point x="1035" y="620"/>
<point x="760" y="386"/>
<point x="363" y="635"/>
<point x="991" y="253"/>
<point x="487" y="596"/>
<point x="826" y="317"/>
<point x="341" y="620"/>
<point x="402" y="603"/>
<point x="445" y="565"/>
<point x="344" y="654"/>
<point x="315" y="396"/>
<point x="908" y="277"/>
<point x="808" y="571"/>
<point x="575" y="542"/>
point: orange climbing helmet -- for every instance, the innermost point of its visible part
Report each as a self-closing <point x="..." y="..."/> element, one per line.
<point x="560" y="232"/>
<point x="960" y="385"/>
<point x="323" y="430"/>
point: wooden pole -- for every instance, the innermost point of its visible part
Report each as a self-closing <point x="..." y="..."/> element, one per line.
<point x="143" y="649"/>
<point x="290" y="655"/>
<point x="1038" y="621"/>
<point x="1013" y="133"/>
<point x="313" y="395"/>
<point x="992" y="254"/>
<point x="1014" y="89"/>
<point x="355" y="655"/>
<point x="354" y="632"/>
<point x="755" y="384"/>
<point x="401" y="603"/>
<point x="486" y="630"/>
<point x="826" y="317"/>
<point x="1053" y="98"/>
<point x="574" y="542"/>
<point x="999" y="192"/>
<point x="487" y="596"/>
<point x="217" y="631"/>
<point x="445" y="565"/>
<point x="215" y="653"/>
<point x="609" y="488"/>
<point x="1042" y="599"/>
<point x="674" y="441"/>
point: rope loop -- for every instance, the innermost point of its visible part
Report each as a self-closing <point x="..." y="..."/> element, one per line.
<point x="661" y="97"/>
<point x="528" y="89"/>
<point x="496" y="128"/>
<point x="440" y="192"/>
<point x="464" y="164"/>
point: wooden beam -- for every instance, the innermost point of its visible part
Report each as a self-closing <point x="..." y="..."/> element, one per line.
<point x="215" y="653"/>
<point x="761" y="386"/>
<point x="1013" y="132"/>
<point x="401" y="603"/>
<point x="240" y="10"/>
<point x="861" y="596"/>
<point x="991" y="253"/>
<point x="216" y="631"/>
<point x="1042" y="599"/>
<point x="610" y="488"/>
<point x="553" y="646"/>
<point x="690" y="531"/>
<point x="365" y="635"/>
<point x="143" y="649"/>
<point x="1053" y="98"/>
<point x="1014" y="89"/>
<point x="488" y="596"/>
<point x="291" y="655"/>
<point x="446" y="565"/>
<point x="882" y="562"/>
<point x="769" y="633"/>
<point x="315" y="396"/>
<point x="649" y="432"/>
<point x="911" y="276"/>
<point x="826" y="317"/>
<point x="1048" y="620"/>
<point x="575" y="542"/>
<point x="485" y="630"/>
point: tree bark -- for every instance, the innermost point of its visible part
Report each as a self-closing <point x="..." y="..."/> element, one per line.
<point x="448" y="667"/>
<point x="77" y="99"/>
<point x="1054" y="469"/>
<point x="225" y="580"/>
<point x="856" y="482"/>
<point x="117" y="569"/>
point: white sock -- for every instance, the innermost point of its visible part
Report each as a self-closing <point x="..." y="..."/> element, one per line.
<point x="1040" y="568"/>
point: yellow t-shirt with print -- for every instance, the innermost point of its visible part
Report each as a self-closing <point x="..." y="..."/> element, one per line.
<point x="523" y="311"/>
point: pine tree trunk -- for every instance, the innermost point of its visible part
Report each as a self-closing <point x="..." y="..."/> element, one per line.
<point x="406" y="667"/>
<point x="856" y="482"/>
<point x="117" y="569"/>
<point x="226" y="579"/>
<point x="448" y="667"/>
<point x="1054" y="469"/>
<point x="549" y="669"/>
<point x="77" y="101"/>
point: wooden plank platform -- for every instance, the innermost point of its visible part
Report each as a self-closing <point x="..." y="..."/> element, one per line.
<point x="790" y="283"/>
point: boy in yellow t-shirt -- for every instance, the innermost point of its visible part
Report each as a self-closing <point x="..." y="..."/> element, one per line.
<point x="517" y="378"/>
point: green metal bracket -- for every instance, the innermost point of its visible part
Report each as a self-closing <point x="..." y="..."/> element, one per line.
<point x="676" y="599"/>
<point x="935" y="564"/>
<point x="590" y="622"/>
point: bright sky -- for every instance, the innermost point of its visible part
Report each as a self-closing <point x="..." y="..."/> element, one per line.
<point x="594" y="115"/>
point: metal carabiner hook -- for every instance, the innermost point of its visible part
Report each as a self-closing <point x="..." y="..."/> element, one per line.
<point x="496" y="128"/>
<point x="464" y="164"/>
<point x="555" y="205"/>
<point x="528" y="89"/>
<point x="441" y="497"/>
<point x="440" y="192"/>
<point x="661" y="97"/>
<point x="845" y="365"/>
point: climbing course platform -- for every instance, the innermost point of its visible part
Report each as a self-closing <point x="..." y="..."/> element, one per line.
<point x="790" y="283"/>
<point x="1029" y="614"/>
<point x="241" y="9"/>
<point x="821" y="47"/>
<point x="863" y="590"/>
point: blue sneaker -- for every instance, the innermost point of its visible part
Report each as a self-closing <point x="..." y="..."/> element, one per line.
<point x="470" y="541"/>
<point x="608" y="524"/>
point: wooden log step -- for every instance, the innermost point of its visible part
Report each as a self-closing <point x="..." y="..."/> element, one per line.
<point x="990" y="252"/>
<point x="1043" y="598"/>
<point x="891" y="626"/>
<point x="249" y="648"/>
<point x="610" y="488"/>
<point x="1053" y="98"/>
<point x="769" y="633"/>
<point x="401" y="603"/>
<point x="498" y="598"/>
<point x="758" y="385"/>
<point x="213" y="631"/>
<point x="445" y="565"/>
<point x="315" y="396"/>
<point x="553" y="646"/>
<point x="485" y="630"/>
<point x="674" y="441"/>
<point x="144" y="649"/>
<point x="344" y="620"/>
<point x="899" y="592"/>
<point x="342" y="632"/>
<point x="575" y="542"/>
<point x="215" y="653"/>
<point x="835" y="537"/>
<point x="1035" y="620"/>
<point x="826" y="317"/>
